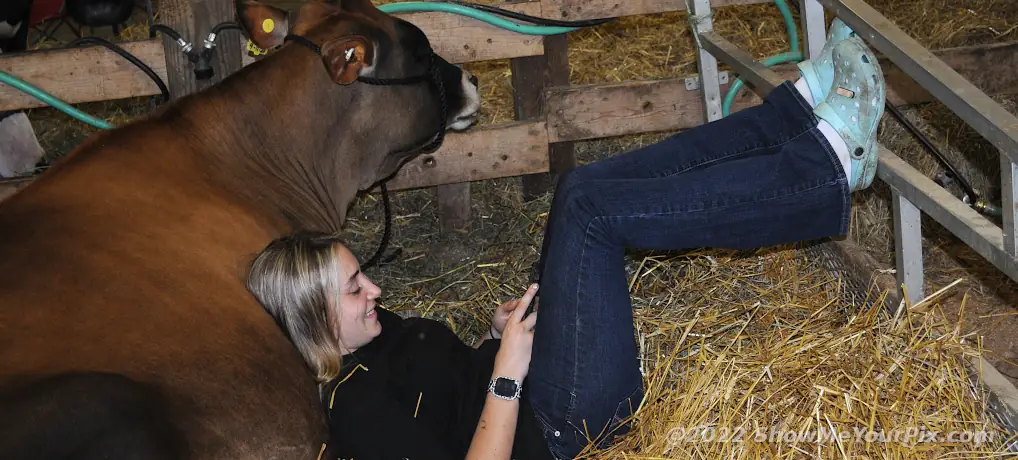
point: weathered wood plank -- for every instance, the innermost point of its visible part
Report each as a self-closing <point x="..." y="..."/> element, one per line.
<point x="574" y="10"/>
<point x="530" y="77"/>
<point x="636" y="107"/>
<point x="990" y="68"/>
<point x="453" y="206"/>
<point x="193" y="20"/>
<point x="605" y="110"/>
<point x="85" y="74"/>
<point x="505" y="150"/>
<point x="460" y="39"/>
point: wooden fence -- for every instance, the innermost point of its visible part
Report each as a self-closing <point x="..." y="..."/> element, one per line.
<point x="550" y="113"/>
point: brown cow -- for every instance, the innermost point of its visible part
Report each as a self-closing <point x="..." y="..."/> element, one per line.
<point x="121" y="268"/>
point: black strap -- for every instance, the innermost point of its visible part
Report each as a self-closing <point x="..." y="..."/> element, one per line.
<point x="387" y="233"/>
<point x="307" y="43"/>
<point x="394" y="81"/>
<point x="304" y="41"/>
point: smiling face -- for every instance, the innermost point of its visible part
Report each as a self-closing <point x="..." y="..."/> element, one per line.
<point x="353" y="307"/>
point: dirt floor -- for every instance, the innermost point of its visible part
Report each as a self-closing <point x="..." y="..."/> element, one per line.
<point x="433" y="272"/>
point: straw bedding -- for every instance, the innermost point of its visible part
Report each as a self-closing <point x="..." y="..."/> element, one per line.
<point x="773" y="374"/>
<point x="754" y="344"/>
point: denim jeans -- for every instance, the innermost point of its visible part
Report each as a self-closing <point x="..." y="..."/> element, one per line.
<point x="763" y="176"/>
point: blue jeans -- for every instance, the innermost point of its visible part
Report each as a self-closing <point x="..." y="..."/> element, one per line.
<point x="763" y="176"/>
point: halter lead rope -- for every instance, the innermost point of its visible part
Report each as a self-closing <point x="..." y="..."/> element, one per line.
<point x="433" y="77"/>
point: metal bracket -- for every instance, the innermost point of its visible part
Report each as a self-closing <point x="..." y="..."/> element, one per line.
<point x="693" y="83"/>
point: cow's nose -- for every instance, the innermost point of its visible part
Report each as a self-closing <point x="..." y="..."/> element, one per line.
<point x="473" y="79"/>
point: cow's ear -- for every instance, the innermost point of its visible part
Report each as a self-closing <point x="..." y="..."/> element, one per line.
<point x="265" y="25"/>
<point x="348" y="57"/>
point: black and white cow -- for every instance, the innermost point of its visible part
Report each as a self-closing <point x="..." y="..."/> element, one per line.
<point x="19" y="148"/>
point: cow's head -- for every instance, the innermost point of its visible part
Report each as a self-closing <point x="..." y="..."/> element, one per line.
<point x="369" y="56"/>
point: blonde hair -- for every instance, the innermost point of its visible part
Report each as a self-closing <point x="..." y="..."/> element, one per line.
<point x="294" y="278"/>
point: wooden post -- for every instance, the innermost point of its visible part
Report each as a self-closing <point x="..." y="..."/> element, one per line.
<point x="454" y="206"/>
<point x="531" y="76"/>
<point x="193" y="20"/>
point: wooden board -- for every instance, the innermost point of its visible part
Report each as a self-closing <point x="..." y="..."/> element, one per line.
<point x="460" y="39"/>
<point x="505" y="150"/>
<point x="990" y="68"/>
<point x="85" y="74"/>
<point x="530" y="76"/>
<point x="94" y="73"/>
<point x="577" y="113"/>
<point x="605" y="110"/>
<point x="573" y="10"/>
<point x="453" y="206"/>
<point x="594" y="111"/>
<point x="192" y="20"/>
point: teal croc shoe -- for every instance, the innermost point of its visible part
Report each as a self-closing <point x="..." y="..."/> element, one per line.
<point x="854" y="107"/>
<point x="819" y="72"/>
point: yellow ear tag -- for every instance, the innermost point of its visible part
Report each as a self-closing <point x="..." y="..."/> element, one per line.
<point x="268" y="26"/>
<point x="255" y="50"/>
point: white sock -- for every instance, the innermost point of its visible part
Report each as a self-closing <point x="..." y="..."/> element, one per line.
<point x="839" y="145"/>
<point x="803" y="88"/>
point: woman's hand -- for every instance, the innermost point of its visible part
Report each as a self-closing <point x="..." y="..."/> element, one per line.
<point x="513" y="357"/>
<point x="502" y="313"/>
<point x="501" y="317"/>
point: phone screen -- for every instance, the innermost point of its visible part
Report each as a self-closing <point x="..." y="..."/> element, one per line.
<point x="530" y="308"/>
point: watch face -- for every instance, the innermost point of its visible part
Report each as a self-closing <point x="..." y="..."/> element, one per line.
<point x="505" y="387"/>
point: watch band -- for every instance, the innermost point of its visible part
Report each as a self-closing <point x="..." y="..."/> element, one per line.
<point x="508" y="397"/>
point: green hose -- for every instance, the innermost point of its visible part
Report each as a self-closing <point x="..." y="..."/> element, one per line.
<point x="793" y="55"/>
<point x="416" y="7"/>
<point x="53" y="101"/>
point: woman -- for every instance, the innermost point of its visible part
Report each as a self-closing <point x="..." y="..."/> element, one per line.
<point x="777" y="173"/>
<point x="395" y="388"/>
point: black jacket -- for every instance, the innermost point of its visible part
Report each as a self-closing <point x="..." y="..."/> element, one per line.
<point x="417" y="392"/>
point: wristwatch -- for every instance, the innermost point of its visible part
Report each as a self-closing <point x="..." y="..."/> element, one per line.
<point x="505" y="388"/>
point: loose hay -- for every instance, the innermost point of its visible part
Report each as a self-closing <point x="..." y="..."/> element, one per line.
<point x="754" y="357"/>
<point x="766" y="344"/>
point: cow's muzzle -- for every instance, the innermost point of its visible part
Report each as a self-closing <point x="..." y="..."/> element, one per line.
<point x="467" y="116"/>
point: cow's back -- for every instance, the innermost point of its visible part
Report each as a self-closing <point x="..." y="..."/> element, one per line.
<point x="129" y="262"/>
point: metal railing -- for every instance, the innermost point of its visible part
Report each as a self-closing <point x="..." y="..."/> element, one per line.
<point x="913" y="194"/>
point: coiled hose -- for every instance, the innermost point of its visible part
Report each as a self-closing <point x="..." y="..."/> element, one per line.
<point x="794" y="54"/>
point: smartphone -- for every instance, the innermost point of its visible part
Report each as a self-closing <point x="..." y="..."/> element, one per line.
<point x="535" y="278"/>
<point x="530" y="308"/>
